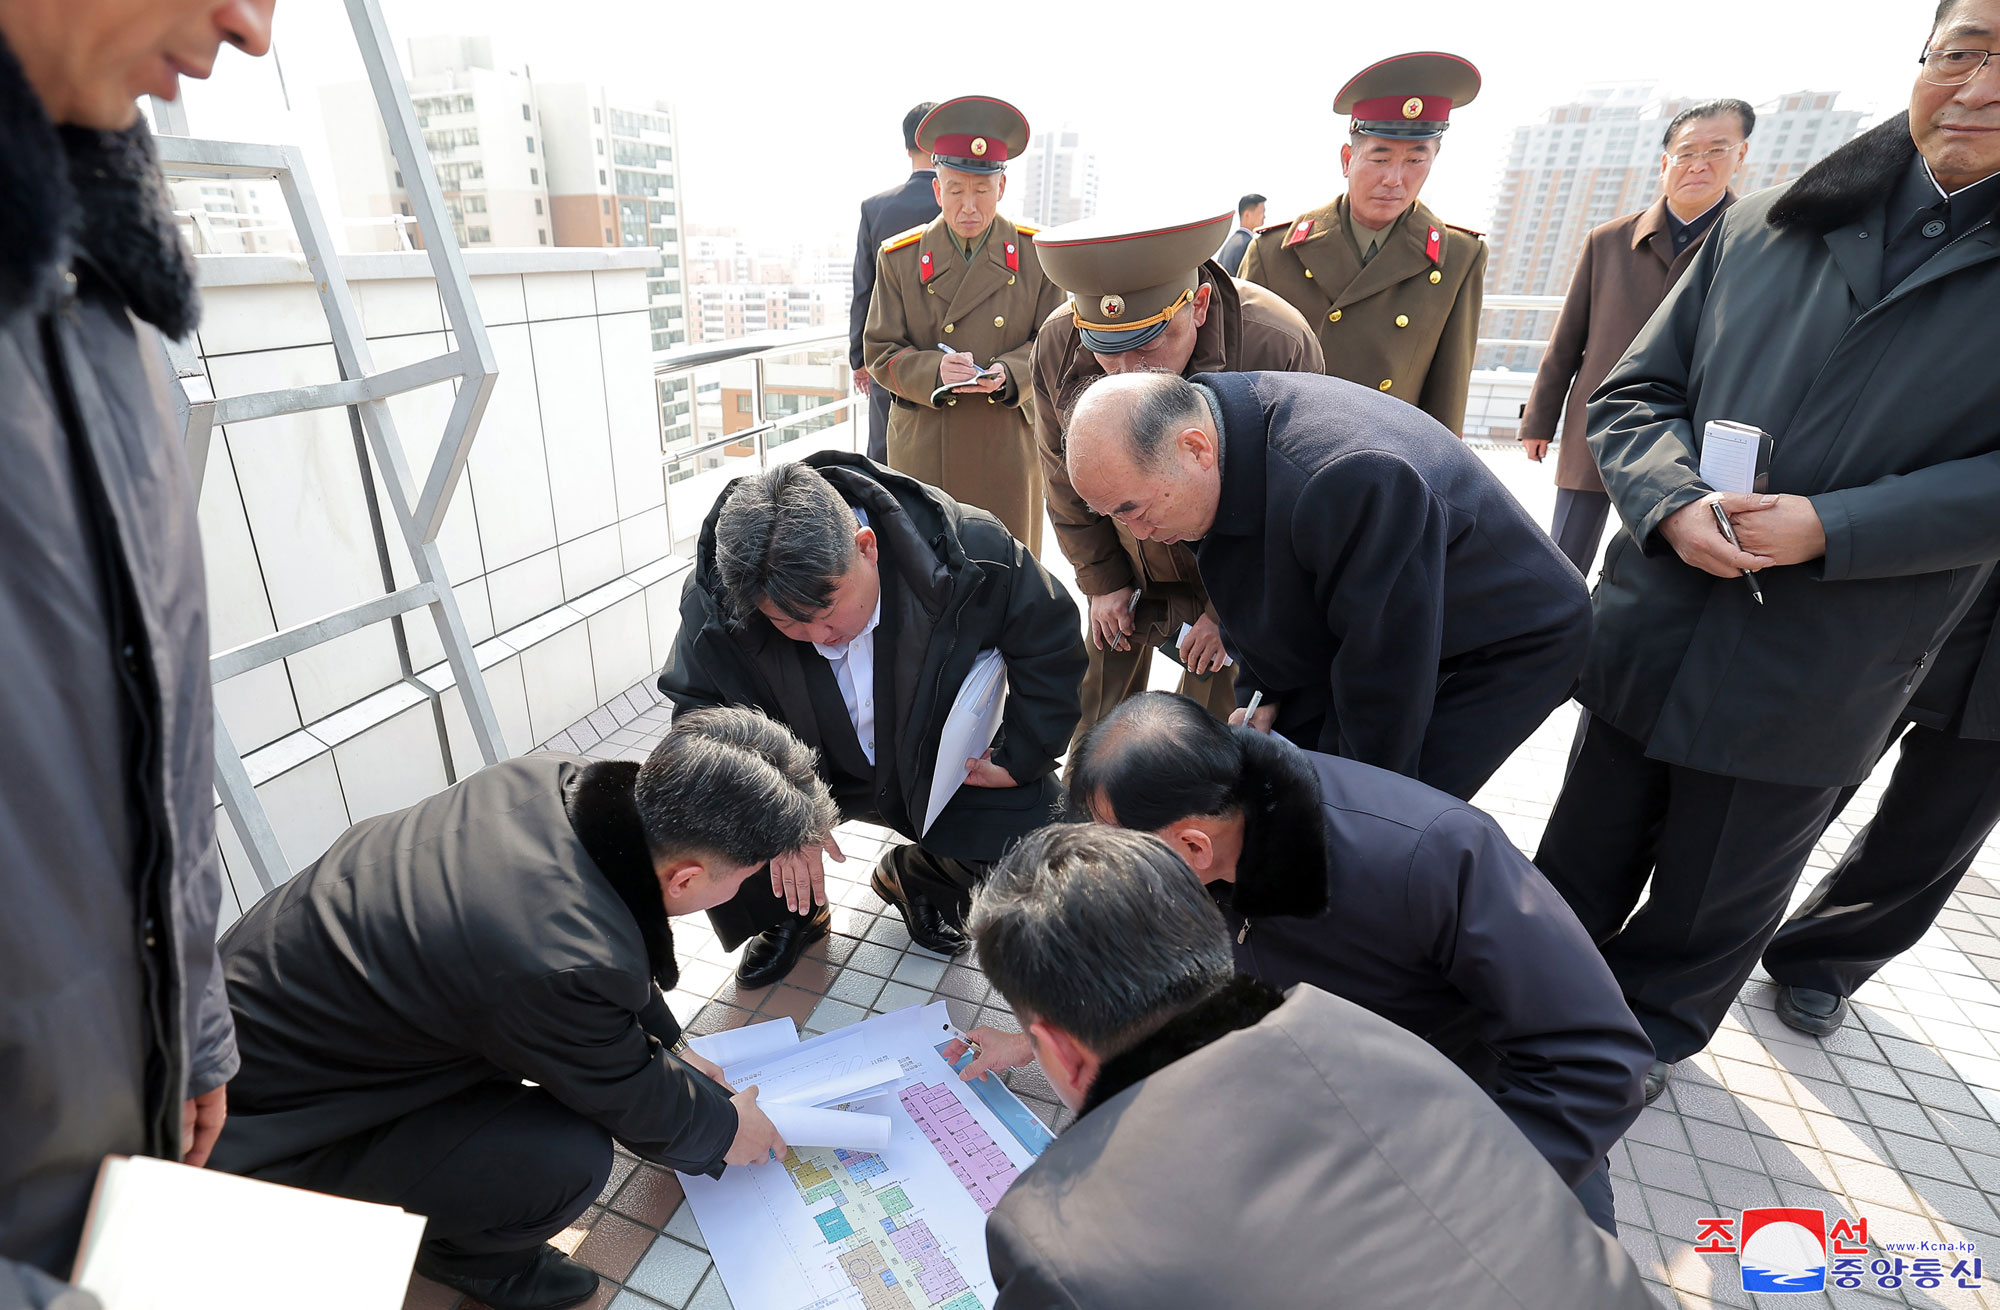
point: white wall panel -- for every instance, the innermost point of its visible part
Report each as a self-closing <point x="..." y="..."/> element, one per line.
<point x="569" y="375"/>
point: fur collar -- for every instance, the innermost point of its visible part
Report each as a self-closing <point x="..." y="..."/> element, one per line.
<point x="72" y="195"/>
<point x="1239" y="1003"/>
<point x="1286" y="865"/>
<point x="606" y="820"/>
<point x="1841" y="188"/>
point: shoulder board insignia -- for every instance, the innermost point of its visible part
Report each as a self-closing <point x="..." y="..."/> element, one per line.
<point x="1469" y="231"/>
<point x="1013" y="253"/>
<point x="926" y="268"/>
<point x="902" y="239"/>
<point x="1026" y="229"/>
<point x="1273" y="227"/>
<point x="1300" y="231"/>
<point x="1433" y="245"/>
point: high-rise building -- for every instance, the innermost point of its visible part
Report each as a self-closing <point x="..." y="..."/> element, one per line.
<point x="1597" y="157"/>
<point x="723" y="310"/>
<point x="1057" y="178"/>
<point x="232" y="216"/>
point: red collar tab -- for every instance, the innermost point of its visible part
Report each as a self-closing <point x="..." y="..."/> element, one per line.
<point x="926" y="270"/>
<point x="1434" y="245"/>
<point x="1300" y="231"/>
<point x="1013" y="257"/>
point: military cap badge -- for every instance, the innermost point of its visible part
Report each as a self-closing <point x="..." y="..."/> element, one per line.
<point x="1113" y="306"/>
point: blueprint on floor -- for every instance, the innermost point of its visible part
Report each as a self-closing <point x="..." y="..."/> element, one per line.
<point x="902" y="1228"/>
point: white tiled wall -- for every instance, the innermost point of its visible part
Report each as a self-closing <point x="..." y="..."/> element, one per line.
<point x="562" y="502"/>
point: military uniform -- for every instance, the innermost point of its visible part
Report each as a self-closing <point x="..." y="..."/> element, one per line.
<point x="1247" y="328"/>
<point x="1407" y="322"/>
<point x="979" y="449"/>
<point x="1406" y="319"/>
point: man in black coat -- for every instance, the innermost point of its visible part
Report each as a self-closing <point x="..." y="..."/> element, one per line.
<point x="1392" y="895"/>
<point x="850" y="602"/>
<point x="1850" y="316"/>
<point x="458" y="1006"/>
<point x="1941" y="804"/>
<point x="883" y="215"/>
<point x="1388" y="596"/>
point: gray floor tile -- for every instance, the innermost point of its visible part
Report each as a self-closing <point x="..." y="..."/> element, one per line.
<point x="856" y="988"/>
<point x="1657" y="1167"/>
<point x="683" y="1226"/>
<point x="829" y="1015"/>
<point x="897" y="995"/>
<point x="711" y="1295"/>
<point x="669" y="1272"/>
<point x="918" y="971"/>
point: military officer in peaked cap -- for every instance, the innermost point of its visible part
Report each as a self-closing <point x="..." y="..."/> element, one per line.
<point x="1393" y="290"/>
<point x="957" y="304"/>
<point x="1147" y="297"/>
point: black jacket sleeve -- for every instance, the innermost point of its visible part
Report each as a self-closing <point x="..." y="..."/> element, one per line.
<point x="1374" y="537"/>
<point x="687" y="679"/>
<point x="571" y="1033"/>
<point x="1041" y="638"/>
<point x="865" y="244"/>
<point x="1571" y="1056"/>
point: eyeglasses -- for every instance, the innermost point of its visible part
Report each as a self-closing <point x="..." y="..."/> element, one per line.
<point x="1953" y="67"/>
<point x="1712" y="155"/>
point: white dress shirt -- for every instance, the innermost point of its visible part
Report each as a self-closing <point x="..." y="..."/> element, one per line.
<point x="854" y="669"/>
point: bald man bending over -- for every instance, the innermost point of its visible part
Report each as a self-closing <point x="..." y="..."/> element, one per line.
<point x="1390" y="598"/>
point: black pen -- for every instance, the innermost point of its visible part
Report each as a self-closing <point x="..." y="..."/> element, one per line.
<point x="1729" y="532"/>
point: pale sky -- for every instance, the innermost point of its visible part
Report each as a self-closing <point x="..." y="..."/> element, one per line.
<point x="790" y="112"/>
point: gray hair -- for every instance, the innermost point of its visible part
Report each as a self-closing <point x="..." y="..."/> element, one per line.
<point x="1745" y="115"/>
<point x="785" y="536"/>
<point x="730" y="782"/>
<point x="1161" y="406"/>
<point x="1103" y="932"/>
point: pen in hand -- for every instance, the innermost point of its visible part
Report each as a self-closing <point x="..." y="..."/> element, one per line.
<point x="1729" y="534"/>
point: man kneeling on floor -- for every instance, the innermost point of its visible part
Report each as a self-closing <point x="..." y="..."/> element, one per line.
<point x="391" y="999"/>
<point x="849" y="602"/>
<point x="1236" y="1146"/>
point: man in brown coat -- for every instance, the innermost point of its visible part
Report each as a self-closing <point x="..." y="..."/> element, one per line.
<point x="1621" y="277"/>
<point x="1236" y="1146"/>
<point x="953" y="322"/>
<point x="1393" y="291"/>
<point x="1148" y="299"/>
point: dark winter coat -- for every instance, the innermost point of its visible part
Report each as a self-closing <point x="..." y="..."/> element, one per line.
<point x="510" y="927"/>
<point x="954" y="583"/>
<point x="1418" y="907"/>
<point x="1885" y="406"/>
<point x="1303" y="1153"/>
<point x="111" y="1006"/>
<point x="1369" y="569"/>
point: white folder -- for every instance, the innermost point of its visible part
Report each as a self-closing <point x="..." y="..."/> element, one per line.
<point x="968" y="730"/>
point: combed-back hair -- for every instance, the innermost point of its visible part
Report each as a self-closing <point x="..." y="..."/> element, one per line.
<point x="729" y="782"/>
<point x="1102" y="932"/>
<point x="786" y="536"/>
<point x="1745" y="116"/>
<point x="912" y="120"/>
<point x="1250" y="201"/>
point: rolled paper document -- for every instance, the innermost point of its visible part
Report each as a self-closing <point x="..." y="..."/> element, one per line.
<point x="858" y="1085"/>
<point x="805" y="1125"/>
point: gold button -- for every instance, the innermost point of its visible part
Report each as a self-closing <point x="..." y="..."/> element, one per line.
<point x="930" y="291"/>
<point x="1334" y="317"/>
<point x="999" y="320"/>
<point x="1387" y="383"/>
<point x="1402" y="320"/>
<point x="1436" y="277"/>
<point x="953" y="401"/>
<point x="948" y="327"/>
<point x="990" y="400"/>
<point x="1309" y="272"/>
<point x="1010" y="279"/>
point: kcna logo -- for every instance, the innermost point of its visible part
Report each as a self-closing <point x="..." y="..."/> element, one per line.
<point x="1782" y="1249"/>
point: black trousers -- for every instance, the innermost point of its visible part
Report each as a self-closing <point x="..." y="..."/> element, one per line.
<point x="878" y="422"/>
<point x="1722" y="854"/>
<point x="496" y="1170"/>
<point x="1578" y="526"/>
<point x="1941" y="804"/>
<point x="908" y="869"/>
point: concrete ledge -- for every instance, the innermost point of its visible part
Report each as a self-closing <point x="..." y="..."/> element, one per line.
<point x="263" y="270"/>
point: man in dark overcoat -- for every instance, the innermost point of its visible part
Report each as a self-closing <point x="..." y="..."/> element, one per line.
<point x="458" y="1006"/>
<point x="1850" y="316"/>
<point x="1388" y="596"/>
<point x="913" y="203"/>
<point x="1392" y="895"/>
<point x="850" y="602"/>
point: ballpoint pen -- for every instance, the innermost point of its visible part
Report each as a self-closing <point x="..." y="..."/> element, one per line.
<point x="1729" y="533"/>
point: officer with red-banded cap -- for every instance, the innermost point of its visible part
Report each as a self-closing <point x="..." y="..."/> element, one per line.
<point x="953" y="321"/>
<point x="1393" y="291"/>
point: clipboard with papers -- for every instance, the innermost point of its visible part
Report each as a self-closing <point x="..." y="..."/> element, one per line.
<point x="968" y="730"/>
<point x="1735" y="456"/>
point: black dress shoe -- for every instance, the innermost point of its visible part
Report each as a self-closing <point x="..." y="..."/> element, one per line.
<point x="1811" y="1011"/>
<point x="1656" y="1079"/>
<point x="771" y="954"/>
<point x="929" y="928"/>
<point x="550" y="1283"/>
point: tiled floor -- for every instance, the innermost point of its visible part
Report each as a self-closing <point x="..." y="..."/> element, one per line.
<point x="1892" y="1118"/>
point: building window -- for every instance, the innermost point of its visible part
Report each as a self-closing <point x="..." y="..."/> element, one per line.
<point x="474" y="235"/>
<point x="538" y="206"/>
<point x="609" y="239"/>
<point x="475" y="204"/>
<point x="600" y="147"/>
<point x="606" y="204"/>
<point x="399" y="177"/>
<point x="541" y="237"/>
<point x="534" y="177"/>
<point x="743" y="404"/>
<point x="600" y="177"/>
<point x="525" y="116"/>
<point x="596" y="114"/>
<point x="531" y="145"/>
